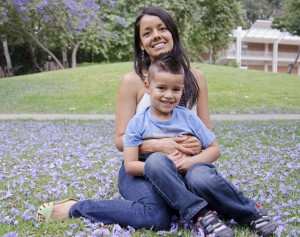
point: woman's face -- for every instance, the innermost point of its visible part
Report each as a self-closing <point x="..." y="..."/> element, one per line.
<point x="154" y="35"/>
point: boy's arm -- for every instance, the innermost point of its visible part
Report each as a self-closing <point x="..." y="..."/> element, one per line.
<point x="131" y="161"/>
<point x="208" y="155"/>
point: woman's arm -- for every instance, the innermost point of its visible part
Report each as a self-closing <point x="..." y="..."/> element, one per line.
<point x="168" y="146"/>
<point x="130" y="88"/>
<point x="202" y="100"/>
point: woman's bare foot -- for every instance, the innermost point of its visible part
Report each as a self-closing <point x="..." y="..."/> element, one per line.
<point x="61" y="210"/>
<point x="55" y="211"/>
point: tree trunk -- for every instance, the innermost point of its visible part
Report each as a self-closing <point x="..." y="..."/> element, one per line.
<point x="8" y="59"/>
<point x="33" y="57"/>
<point x="295" y="62"/>
<point x="213" y="56"/>
<point x="65" y="58"/>
<point x="74" y="54"/>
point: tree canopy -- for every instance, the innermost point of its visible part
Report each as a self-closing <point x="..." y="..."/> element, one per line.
<point x="103" y="29"/>
<point x="289" y="20"/>
<point x="65" y="23"/>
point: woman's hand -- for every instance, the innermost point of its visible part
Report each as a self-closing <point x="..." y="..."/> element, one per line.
<point x="165" y="145"/>
<point x="188" y="145"/>
<point x="191" y="143"/>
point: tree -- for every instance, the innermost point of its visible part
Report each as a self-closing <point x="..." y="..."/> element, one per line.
<point x="289" y="20"/>
<point x="66" y="23"/>
<point x="7" y="58"/>
<point x="260" y="9"/>
<point x="217" y="20"/>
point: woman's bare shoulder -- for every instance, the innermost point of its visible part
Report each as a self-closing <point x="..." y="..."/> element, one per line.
<point x="198" y="74"/>
<point x="132" y="84"/>
<point x="131" y="77"/>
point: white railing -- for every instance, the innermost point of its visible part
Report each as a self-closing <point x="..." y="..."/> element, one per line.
<point x="257" y="54"/>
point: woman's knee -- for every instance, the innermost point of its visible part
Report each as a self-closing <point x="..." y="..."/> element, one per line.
<point x="158" y="220"/>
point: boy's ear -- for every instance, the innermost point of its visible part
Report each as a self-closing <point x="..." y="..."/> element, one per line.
<point x="146" y="84"/>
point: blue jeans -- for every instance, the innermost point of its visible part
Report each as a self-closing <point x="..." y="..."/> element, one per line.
<point x="202" y="186"/>
<point x="150" y="200"/>
<point x="142" y="206"/>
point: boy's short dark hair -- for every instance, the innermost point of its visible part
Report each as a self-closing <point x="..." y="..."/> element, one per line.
<point x="166" y="62"/>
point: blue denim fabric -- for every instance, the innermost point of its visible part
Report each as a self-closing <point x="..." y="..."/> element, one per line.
<point x="149" y="201"/>
<point x="142" y="206"/>
<point x="201" y="186"/>
<point x="162" y="173"/>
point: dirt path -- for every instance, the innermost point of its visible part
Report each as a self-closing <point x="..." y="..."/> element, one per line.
<point x="233" y="117"/>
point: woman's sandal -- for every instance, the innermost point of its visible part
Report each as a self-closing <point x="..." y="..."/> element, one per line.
<point x="44" y="212"/>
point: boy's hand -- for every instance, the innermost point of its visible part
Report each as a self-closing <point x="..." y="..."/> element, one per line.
<point x="175" y="156"/>
<point x="184" y="163"/>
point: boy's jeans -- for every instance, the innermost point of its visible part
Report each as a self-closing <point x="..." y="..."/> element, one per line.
<point x="150" y="201"/>
<point x="202" y="186"/>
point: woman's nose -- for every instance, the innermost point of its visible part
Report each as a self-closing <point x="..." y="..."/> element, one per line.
<point x="156" y="34"/>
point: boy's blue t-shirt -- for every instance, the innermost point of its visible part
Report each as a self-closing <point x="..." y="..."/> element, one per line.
<point x="183" y="121"/>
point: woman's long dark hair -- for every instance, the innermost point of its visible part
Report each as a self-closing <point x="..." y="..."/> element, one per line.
<point x="142" y="62"/>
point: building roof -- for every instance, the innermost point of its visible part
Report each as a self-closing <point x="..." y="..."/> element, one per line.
<point x="262" y="32"/>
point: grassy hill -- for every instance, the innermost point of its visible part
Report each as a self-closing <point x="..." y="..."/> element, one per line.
<point x="93" y="90"/>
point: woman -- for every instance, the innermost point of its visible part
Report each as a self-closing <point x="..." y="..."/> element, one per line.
<point x="144" y="204"/>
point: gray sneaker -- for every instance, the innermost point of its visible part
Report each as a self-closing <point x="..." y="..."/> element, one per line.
<point x="213" y="226"/>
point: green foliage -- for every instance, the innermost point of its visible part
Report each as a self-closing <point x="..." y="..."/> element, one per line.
<point x="259" y="10"/>
<point x="289" y="18"/>
<point x="202" y="25"/>
<point x="217" y="21"/>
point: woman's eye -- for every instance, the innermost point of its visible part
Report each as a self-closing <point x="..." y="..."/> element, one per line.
<point x="146" y="34"/>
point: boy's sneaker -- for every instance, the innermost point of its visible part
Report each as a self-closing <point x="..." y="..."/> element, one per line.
<point x="213" y="226"/>
<point x="263" y="225"/>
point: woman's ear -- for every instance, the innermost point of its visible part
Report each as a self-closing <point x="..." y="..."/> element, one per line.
<point x="147" y="85"/>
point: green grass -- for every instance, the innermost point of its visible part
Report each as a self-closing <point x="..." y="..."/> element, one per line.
<point x="93" y="90"/>
<point x="233" y="90"/>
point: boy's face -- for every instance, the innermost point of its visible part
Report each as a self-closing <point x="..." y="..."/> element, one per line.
<point x="165" y="90"/>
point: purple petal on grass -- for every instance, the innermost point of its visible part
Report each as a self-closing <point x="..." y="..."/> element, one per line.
<point x="8" y="195"/>
<point x="74" y="226"/>
<point x="11" y="234"/>
<point x="279" y="230"/>
<point x="80" y="234"/>
<point x="101" y="232"/>
<point x="27" y="215"/>
<point x="6" y="220"/>
<point x="69" y="232"/>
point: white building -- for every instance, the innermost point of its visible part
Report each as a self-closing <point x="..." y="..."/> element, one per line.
<point x="262" y="48"/>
